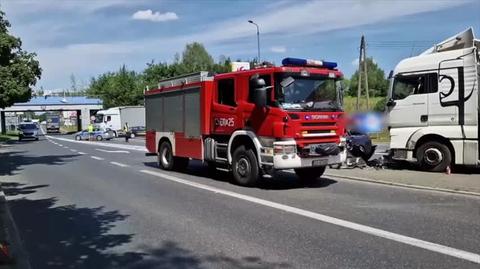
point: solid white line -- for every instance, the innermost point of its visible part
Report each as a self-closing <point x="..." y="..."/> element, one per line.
<point x="113" y="151"/>
<point x="119" y="164"/>
<point x="81" y="153"/>
<point x="461" y="254"/>
<point x="97" y="158"/>
<point x="102" y="144"/>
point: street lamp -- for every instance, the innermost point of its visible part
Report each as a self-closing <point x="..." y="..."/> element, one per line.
<point x="258" y="39"/>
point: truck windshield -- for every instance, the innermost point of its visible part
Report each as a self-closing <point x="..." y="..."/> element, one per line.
<point x="307" y="93"/>
<point x="98" y="118"/>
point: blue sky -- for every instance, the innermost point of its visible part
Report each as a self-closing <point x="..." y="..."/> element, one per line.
<point x="88" y="37"/>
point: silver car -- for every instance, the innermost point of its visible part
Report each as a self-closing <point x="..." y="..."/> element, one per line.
<point x="28" y="131"/>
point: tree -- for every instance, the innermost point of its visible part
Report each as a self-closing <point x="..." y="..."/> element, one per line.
<point x="121" y="88"/>
<point x="377" y="83"/>
<point x="19" y="71"/>
<point x="196" y="58"/>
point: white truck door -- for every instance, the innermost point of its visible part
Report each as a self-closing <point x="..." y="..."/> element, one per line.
<point x="443" y="110"/>
<point x="409" y="106"/>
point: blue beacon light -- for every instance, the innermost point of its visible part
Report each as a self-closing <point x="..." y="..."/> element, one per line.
<point x="308" y="62"/>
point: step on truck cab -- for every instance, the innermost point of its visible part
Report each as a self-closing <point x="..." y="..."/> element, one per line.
<point x="433" y="110"/>
<point x="250" y="122"/>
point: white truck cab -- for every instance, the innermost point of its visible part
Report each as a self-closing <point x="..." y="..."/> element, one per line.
<point x="433" y="108"/>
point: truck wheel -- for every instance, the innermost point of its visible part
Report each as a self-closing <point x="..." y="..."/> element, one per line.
<point x="433" y="156"/>
<point x="245" y="166"/>
<point x="165" y="156"/>
<point x="310" y="174"/>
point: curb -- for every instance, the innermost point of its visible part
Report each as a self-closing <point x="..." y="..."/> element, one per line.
<point x="410" y="186"/>
<point x="21" y="260"/>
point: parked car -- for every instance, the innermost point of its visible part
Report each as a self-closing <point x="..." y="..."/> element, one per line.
<point x="28" y="131"/>
<point x="137" y="131"/>
<point x="97" y="134"/>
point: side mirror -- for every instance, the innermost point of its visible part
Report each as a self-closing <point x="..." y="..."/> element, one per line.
<point x="260" y="93"/>
<point x="391" y="103"/>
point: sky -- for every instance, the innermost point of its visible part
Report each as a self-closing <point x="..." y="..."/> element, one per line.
<point x="86" y="38"/>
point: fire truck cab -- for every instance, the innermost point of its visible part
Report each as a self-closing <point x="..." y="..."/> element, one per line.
<point x="250" y="122"/>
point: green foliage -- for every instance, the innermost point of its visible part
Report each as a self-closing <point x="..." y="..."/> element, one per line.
<point x="349" y="103"/>
<point x="377" y="83"/>
<point x="119" y="88"/>
<point x="19" y="71"/>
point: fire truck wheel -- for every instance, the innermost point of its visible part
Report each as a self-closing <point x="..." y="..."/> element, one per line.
<point x="165" y="156"/>
<point x="433" y="156"/>
<point x="310" y="174"/>
<point x="245" y="166"/>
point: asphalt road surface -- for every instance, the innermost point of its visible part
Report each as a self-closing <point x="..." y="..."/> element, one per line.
<point x="81" y="205"/>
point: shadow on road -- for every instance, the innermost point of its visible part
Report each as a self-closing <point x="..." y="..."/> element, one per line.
<point x="12" y="162"/>
<point x="280" y="181"/>
<point x="73" y="237"/>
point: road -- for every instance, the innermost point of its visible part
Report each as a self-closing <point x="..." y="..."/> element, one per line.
<point x="81" y="205"/>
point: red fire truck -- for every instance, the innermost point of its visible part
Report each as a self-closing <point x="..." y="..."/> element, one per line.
<point x="250" y="122"/>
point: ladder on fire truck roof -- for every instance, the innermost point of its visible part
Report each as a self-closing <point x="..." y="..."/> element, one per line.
<point x="185" y="79"/>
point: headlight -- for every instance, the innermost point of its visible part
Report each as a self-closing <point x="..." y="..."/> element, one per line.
<point x="284" y="149"/>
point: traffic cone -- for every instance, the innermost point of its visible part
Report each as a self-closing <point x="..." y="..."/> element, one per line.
<point x="448" y="171"/>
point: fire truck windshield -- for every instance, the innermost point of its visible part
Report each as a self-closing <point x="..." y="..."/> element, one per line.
<point x="307" y="93"/>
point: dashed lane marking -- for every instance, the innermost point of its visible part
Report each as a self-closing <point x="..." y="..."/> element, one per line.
<point x="119" y="164"/>
<point x="97" y="158"/>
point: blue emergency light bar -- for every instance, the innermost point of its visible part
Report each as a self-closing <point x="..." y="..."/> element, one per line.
<point x="308" y="62"/>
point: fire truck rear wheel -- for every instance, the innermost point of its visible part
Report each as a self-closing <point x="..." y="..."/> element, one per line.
<point x="433" y="156"/>
<point x="245" y="166"/>
<point x="310" y="174"/>
<point x="165" y="156"/>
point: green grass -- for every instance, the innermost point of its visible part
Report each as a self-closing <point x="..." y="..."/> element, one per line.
<point x="7" y="137"/>
<point x="68" y="129"/>
<point x="350" y="102"/>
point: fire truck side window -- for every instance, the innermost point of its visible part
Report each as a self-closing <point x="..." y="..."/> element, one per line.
<point x="226" y="92"/>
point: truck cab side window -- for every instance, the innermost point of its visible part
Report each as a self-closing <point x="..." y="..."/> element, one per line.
<point x="226" y="92"/>
<point x="404" y="86"/>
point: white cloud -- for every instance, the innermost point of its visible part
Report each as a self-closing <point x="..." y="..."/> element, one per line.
<point x="149" y="15"/>
<point x="278" y="49"/>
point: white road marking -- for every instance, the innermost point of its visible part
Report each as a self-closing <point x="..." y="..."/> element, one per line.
<point x="73" y="150"/>
<point x="119" y="164"/>
<point x="113" y="151"/>
<point x="97" y="158"/>
<point x="81" y="153"/>
<point x="102" y="144"/>
<point x="66" y="147"/>
<point x="457" y="253"/>
<point x="60" y="145"/>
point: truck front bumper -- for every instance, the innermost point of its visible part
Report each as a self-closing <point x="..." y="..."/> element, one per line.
<point x="291" y="160"/>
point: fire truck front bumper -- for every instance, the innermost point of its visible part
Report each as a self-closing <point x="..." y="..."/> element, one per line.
<point x="285" y="156"/>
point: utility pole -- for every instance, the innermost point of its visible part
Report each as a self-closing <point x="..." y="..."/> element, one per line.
<point x="362" y="63"/>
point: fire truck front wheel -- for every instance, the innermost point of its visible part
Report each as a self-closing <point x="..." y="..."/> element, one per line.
<point x="245" y="166"/>
<point x="311" y="174"/>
